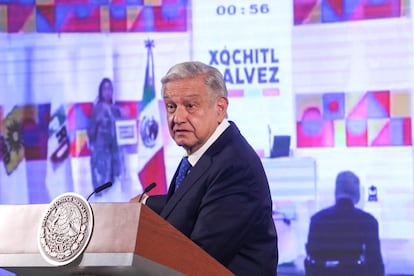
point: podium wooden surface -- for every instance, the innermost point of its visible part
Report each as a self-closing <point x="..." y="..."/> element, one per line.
<point x="127" y="239"/>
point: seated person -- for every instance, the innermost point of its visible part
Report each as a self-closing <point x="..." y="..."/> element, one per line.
<point x="343" y="239"/>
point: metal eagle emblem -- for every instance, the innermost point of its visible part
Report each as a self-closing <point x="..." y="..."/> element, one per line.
<point x="149" y="131"/>
<point x="65" y="229"/>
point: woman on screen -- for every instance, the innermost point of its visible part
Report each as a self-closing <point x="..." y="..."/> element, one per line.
<point x="106" y="156"/>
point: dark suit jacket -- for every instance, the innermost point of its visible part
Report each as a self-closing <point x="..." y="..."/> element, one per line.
<point x="343" y="230"/>
<point x="224" y="205"/>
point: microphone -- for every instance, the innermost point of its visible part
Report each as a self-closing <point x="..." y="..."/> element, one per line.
<point x="100" y="188"/>
<point x="147" y="189"/>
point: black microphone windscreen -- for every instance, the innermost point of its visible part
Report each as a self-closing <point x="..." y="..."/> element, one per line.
<point x="150" y="187"/>
<point x="103" y="187"/>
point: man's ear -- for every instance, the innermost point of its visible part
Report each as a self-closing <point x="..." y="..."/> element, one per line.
<point x="222" y="104"/>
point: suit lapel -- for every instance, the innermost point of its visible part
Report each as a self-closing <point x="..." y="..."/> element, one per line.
<point x="199" y="170"/>
<point x="190" y="181"/>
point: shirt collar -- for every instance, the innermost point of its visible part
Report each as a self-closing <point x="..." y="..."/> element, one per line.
<point x="194" y="157"/>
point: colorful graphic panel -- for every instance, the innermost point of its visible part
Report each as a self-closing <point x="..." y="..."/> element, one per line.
<point x="57" y="16"/>
<point x="372" y="118"/>
<point x="330" y="11"/>
<point x="78" y="122"/>
<point x="1" y="136"/>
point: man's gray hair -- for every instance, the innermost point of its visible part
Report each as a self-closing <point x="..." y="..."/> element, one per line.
<point x="212" y="77"/>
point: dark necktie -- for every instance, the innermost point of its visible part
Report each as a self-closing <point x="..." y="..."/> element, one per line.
<point x="182" y="172"/>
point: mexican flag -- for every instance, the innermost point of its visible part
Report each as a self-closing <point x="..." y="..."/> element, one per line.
<point x="150" y="144"/>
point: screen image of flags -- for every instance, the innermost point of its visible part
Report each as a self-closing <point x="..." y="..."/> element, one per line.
<point x="150" y="144"/>
<point x="25" y="136"/>
<point x="59" y="177"/>
<point x="12" y="141"/>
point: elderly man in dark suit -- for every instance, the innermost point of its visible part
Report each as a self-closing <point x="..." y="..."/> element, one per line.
<point x="344" y="240"/>
<point x="219" y="196"/>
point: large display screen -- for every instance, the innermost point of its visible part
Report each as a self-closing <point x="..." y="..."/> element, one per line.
<point x="336" y="77"/>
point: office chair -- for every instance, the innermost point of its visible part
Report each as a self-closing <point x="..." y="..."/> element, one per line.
<point x="328" y="260"/>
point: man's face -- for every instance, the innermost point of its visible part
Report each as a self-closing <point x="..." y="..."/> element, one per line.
<point x="192" y="114"/>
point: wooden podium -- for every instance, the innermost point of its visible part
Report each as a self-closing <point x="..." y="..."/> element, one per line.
<point x="127" y="239"/>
